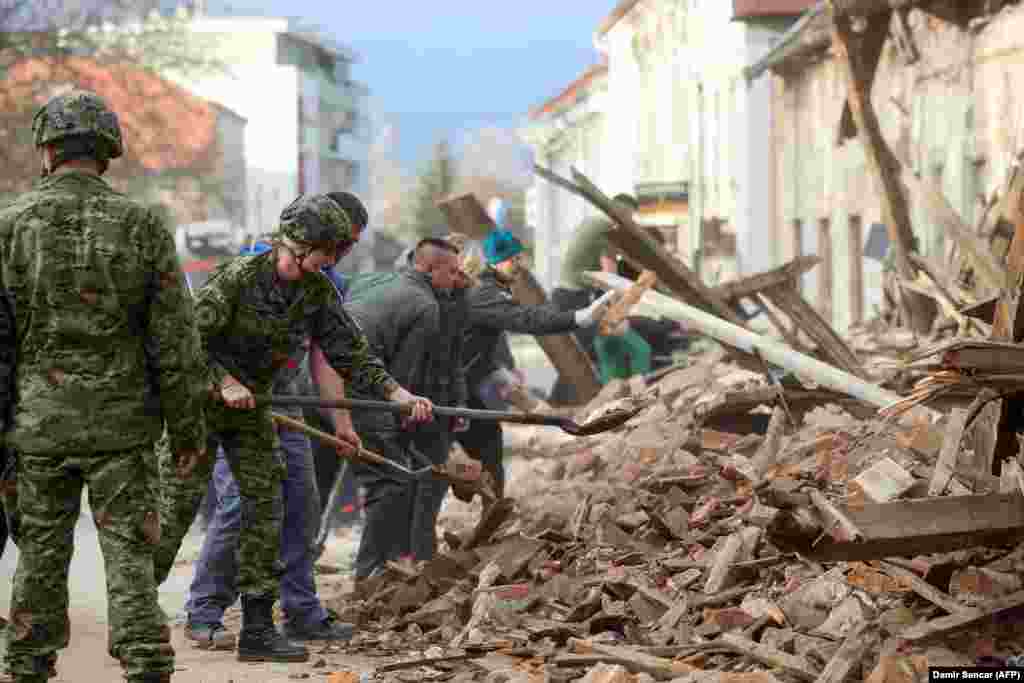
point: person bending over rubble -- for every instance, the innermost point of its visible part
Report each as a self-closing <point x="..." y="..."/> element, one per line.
<point x="253" y="315"/>
<point x="625" y="352"/>
<point x="214" y="584"/>
<point x="412" y="319"/>
<point x="493" y="311"/>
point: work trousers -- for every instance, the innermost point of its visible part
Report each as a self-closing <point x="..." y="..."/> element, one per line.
<point x="215" y="586"/>
<point x="251" y="450"/>
<point x="400" y="514"/>
<point x="125" y="513"/>
<point x="622" y="356"/>
<point x="484" y="441"/>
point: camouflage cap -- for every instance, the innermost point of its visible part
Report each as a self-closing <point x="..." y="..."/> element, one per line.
<point x="315" y="219"/>
<point x="78" y="112"/>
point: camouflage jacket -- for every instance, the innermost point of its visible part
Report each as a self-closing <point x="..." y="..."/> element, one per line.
<point x="99" y="320"/>
<point x="252" y="323"/>
<point x="416" y="331"/>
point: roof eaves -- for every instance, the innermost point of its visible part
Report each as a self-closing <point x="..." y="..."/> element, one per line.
<point x="570" y="92"/>
<point x="751" y="10"/>
<point x="811" y="33"/>
<point x="788" y="44"/>
<point x="622" y="9"/>
<point x="317" y="38"/>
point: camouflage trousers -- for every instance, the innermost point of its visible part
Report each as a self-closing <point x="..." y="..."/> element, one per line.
<point x="251" y="449"/>
<point x="49" y="504"/>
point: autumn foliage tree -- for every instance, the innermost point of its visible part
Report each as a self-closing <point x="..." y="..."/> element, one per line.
<point x="118" y="50"/>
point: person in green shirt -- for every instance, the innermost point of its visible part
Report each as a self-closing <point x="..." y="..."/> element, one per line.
<point x="625" y="352"/>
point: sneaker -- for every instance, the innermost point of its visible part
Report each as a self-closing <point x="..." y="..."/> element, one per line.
<point x="331" y="628"/>
<point x="210" y="636"/>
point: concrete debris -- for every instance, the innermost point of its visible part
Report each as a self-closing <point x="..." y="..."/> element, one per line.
<point x="693" y="544"/>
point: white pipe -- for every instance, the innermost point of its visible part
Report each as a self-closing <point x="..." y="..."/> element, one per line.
<point x="771" y="350"/>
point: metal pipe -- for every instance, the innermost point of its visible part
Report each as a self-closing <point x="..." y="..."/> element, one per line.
<point x="771" y="350"/>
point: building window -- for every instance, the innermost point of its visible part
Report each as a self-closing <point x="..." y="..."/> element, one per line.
<point x="825" y="271"/>
<point x="856" y="270"/>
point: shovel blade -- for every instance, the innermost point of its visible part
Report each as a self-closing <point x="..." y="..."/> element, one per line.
<point x="605" y="423"/>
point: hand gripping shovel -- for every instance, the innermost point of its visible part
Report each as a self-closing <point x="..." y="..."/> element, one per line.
<point x="604" y="423"/>
<point x="453" y="475"/>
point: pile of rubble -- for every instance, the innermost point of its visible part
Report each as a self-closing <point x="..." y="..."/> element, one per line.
<point x="736" y="530"/>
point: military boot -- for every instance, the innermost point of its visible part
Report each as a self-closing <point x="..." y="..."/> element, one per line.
<point x="259" y="640"/>
<point x="150" y="677"/>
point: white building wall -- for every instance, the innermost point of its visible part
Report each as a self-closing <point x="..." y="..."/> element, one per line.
<point x="754" y="160"/>
<point x="573" y="137"/>
<point x="310" y="139"/>
<point x="621" y="136"/>
<point x="266" y="95"/>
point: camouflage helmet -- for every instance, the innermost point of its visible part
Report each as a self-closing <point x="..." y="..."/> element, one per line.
<point x="315" y="220"/>
<point x="74" y="113"/>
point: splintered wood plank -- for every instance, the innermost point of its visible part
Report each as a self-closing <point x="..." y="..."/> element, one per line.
<point x="787" y="299"/>
<point x="634" y="243"/>
<point x="919" y="311"/>
<point x="848" y="657"/>
<point x="945" y="625"/>
<point x="945" y="466"/>
<point x="752" y="284"/>
<point x="563" y="350"/>
<point x="929" y="525"/>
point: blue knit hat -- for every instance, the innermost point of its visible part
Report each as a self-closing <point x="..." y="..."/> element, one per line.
<point x="501" y="245"/>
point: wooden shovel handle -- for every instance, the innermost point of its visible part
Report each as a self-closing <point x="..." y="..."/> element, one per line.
<point x="363" y="455"/>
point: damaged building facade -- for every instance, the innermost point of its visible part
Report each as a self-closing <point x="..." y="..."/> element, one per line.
<point x="727" y="121"/>
<point x="946" y="90"/>
<point x="667" y="116"/>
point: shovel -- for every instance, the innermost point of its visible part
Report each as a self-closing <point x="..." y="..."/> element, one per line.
<point x="604" y="423"/>
<point x="368" y="456"/>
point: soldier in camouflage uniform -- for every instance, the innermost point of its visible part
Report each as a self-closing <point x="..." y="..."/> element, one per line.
<point x="253" y="315"/>
<point x="101" y="325"/>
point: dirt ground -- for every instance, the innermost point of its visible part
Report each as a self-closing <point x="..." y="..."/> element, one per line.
<point x="86" y="658"/>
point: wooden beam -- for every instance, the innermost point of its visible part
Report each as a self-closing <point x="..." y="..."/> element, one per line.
<point x="634" y="242"/>
<point x="923" y="526"/>
<point x="752" y="284"/>
<point x="944" y="626"/>
<point x="787" y="299"/>
<point x="564" y="351"/>
<point x="918" y="310"/>
<point x="871" y="44"/>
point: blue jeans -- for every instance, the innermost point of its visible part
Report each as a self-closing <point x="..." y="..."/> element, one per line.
<point x="214" y="585"/>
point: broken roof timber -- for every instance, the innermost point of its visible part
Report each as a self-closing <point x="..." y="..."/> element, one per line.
<point x="811" y="35"/>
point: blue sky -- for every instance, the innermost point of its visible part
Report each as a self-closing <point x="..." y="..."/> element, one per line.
<point x="442" y="67"/>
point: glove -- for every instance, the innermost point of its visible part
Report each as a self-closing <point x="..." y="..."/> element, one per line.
<point x="585" y="317"/>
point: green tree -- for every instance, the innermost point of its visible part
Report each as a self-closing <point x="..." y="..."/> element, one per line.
<point x="436" y="181"/>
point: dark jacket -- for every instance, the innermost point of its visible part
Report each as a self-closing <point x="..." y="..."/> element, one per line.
<point x="415" y="331"/>
<point x="492" y="312"/>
